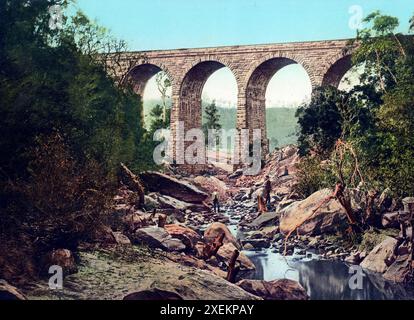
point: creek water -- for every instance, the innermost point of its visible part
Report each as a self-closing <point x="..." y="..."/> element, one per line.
<point x="322" y="279"/>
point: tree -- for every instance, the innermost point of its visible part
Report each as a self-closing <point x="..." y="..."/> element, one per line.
<point x="163" y="85"/>
<point x="387" y="149"/>
<point x="375" y="119"/>
<point x="379" y="51"/>
<point x="212" y="120"/>
<point x="320" y="122"/>
<point x="158" y="120"/>
<point x="65" y="126"/>
<point x="55" y="79"/>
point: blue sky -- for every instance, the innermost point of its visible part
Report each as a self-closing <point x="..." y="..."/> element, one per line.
<point x="163" y="24"/>
<point x="173" y="24"/>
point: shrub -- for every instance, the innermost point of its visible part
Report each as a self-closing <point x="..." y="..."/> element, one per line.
<point x="374" y="237"/>
<point x="62" y="203"/>
<point x="312" y="176"/>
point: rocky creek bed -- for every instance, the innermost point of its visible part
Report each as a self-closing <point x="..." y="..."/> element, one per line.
<point x="170" y="244"/>
<point x="323" y="278"/>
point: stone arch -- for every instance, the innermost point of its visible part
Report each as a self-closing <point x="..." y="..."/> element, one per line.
<point x="337" y="70"/>
<point x="142" y="73"/>
<point x="139" y="76"/>
<point x="292" y="58"/>
<point x="256" y="85"/>
<point x="190" y="91"/>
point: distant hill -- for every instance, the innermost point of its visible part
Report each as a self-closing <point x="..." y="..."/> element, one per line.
<point x="281" y="126"/>
<point x="281" y="122"/>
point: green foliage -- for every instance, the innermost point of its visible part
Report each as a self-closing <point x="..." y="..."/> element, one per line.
<point x="62" y="203"/>
<point x="387" y="149"/>
<point x="61" y="87"/>
<point x="382" y="25"/>
<point x="372" y="238"/>
<point x="63" y="199"/>
<point x="320" y="122"/>
<point x="212" y="120"/>
<point x="157" y="119"/>
<point x="312" y="175"/>
<point x="375" y="118"/>
<point x="65" y="126"/>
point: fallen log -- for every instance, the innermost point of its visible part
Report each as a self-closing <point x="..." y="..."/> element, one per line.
<point x="133" y="183"/>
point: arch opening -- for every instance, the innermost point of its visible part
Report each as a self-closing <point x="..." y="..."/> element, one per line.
<point x="288" y="89"/>
<point x="277" y="83"/>
<point x="192" y="91"/>
<point x="337" y="71"/>
<point x="153" y="86"/>
<point x="208" y="80"/>
<point x="351" y="78"/>
<point x="220" y="93"/>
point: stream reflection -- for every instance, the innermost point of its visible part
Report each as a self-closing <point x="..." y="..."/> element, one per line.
<point x="324" y="280"/>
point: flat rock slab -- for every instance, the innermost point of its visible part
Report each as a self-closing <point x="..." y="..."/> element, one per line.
<point x="265" y="219"/>
<point x="104" y="277"/>
<point x="166" y="185"/>
<point x="156" y="237"/>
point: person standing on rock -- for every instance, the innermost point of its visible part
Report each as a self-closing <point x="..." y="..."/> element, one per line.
<point x="267" y="188"/>
<point x="216" y="202"/>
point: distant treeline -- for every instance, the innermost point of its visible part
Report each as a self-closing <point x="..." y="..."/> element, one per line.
<point x="281" y="122"/>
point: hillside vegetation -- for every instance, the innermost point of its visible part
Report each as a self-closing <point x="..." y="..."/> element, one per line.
<point x="281" y="122"/>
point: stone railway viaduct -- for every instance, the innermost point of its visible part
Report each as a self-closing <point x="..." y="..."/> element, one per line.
<point x="253" y="66"/>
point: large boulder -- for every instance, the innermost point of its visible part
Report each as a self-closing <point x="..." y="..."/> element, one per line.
<point x="153" y="294"/>
<point x="400" y="270"/>
<point x="275" y="290"/>
<point x="226" y="252"/>
<point x="381" y="257"/>
<point x="212" y="184"/>
<point x="327" y="219"/>
<point x="216" y="229"/>
<point x="166" y="185"/>
<point x="155" y="237"/>
<point x="188" y="236"/>
<point x="167" y="202"/>
<point x="8" y="292"/>
<point x="267" y="218"/>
